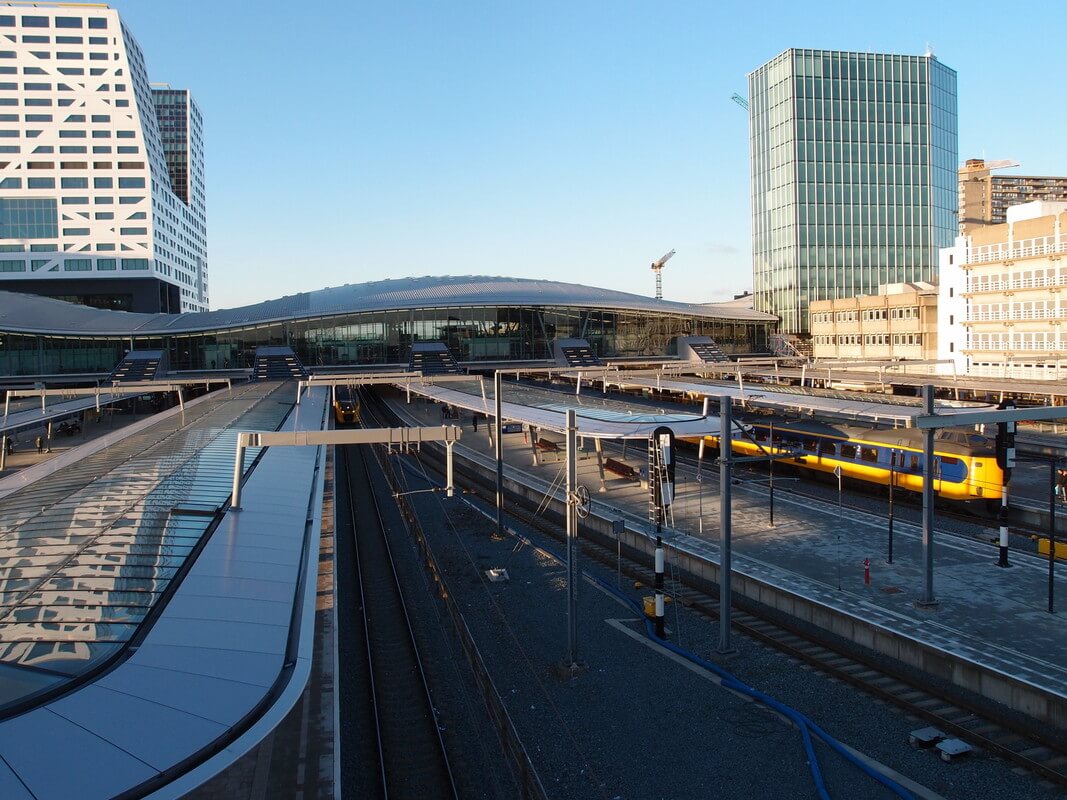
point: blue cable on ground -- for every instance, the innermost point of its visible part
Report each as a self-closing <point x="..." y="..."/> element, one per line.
<point x="804" y="724"/>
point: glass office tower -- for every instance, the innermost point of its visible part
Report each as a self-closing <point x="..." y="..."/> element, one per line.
<point x="853" y="159"/>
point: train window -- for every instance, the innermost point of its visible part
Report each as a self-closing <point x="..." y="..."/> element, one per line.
<point x="869" y="454"/>
<point x="848" y="451"/>
<point x="827" y="447"/>
<point x="811" y="445"/>
<point x="948" y="461"/>
<point x="913" y="463"/>
<point x="761" y="434"/>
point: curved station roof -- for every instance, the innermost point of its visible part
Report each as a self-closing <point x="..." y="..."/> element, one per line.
<point x="32" y="314"/>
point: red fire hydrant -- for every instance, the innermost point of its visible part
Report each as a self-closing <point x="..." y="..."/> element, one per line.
<point x="866" y="572"/>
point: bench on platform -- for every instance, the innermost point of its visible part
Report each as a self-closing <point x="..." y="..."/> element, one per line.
<point x="621" y="468"/>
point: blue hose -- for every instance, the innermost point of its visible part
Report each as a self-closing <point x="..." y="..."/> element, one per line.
<point x="805" y="725"/>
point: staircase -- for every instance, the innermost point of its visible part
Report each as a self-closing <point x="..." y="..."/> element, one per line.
<point x="709" y="351"/>
<point x="433" y="358"/>
<point x="787" y="345"/>
<point x="574" y="353"/>
<point x="659" y="512"/>
<point x="140" y="365"/>
<point x="277" y="364"/>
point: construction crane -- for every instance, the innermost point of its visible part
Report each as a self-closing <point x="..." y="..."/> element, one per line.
<point x="740" y="101"/>
<point x="657" y="267"/>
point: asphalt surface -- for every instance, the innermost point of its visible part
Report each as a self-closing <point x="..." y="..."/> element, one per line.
<point x="638" y="724"/>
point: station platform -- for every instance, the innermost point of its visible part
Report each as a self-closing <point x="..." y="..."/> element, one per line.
<point x="149" y="633"/>
<point x="990" y="631"/>
<point x="27" y="415"/>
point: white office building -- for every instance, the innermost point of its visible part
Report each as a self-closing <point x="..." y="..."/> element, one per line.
<point x="101" y="175"/>
<point x="1001" y="305"/>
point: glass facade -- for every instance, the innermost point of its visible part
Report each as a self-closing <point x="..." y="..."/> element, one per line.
<point x="22" y="218"/>
<point x="172" y="111"/>
<point x="479" y="333"/>
<point x="853" y="159"/>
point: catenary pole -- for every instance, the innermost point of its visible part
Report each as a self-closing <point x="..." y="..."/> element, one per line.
<point x="725" y="567"/>
<point x="928" y="598"/>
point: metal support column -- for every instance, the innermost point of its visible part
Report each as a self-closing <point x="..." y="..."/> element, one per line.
<point x="928" y="598"/>
<point x="600" y="463"/>
<point x="725" y="566"/>
<point x="498" y="447"/>
<point x="700" y="447"/>
<point x="892" y="486"/>
<point x="572" y="540"/>
<point x="238" y="471"/>
<point x="448" y="468"/>
<point x="1053" y="480"/>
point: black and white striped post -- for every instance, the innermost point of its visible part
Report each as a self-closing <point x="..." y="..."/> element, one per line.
<point x="1002" y="520"/>
<point x="660" y="628"/>
<point x="1006" y="460"/>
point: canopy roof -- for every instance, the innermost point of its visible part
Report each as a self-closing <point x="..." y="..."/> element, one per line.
<point x="33" y="314"/>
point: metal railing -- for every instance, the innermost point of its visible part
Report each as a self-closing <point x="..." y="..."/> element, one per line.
<point x="979" y="285"/>
<point x="992" y="316"/>
<point x="1024" y="248"/>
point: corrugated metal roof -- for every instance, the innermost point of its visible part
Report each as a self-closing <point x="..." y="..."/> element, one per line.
<point x="33" y="314"/>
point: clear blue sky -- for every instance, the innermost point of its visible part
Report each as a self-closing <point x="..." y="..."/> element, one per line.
<point x="577" y="141"/>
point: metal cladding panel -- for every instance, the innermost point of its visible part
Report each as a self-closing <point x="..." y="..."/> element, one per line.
<point x="32" y="314"/>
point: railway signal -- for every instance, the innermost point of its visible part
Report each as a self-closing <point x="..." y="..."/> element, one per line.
<point x="1005" y="447"/>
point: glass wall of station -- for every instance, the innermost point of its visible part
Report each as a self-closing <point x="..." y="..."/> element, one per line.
<point x="493" y="333"/>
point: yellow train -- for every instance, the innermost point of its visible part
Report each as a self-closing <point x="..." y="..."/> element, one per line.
<point x="346" y="405"/>
<point x="965" y="464"/>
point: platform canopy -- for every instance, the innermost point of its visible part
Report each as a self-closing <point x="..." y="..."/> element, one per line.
<point x="859" y="409"/>
<point x="594" y="418"/>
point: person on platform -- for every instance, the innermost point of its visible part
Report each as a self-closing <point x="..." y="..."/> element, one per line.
<point x="39" y="442"/>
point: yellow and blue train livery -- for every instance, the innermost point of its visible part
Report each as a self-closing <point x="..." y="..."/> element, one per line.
<point x="346" y="405"/>
<point x="965" y="464"/>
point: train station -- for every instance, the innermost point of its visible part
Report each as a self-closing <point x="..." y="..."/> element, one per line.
<point x="483" y="537"/>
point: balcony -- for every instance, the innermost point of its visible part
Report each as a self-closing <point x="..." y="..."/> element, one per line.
<point x="979" y="286"/>
<point x="1015" y="316"/>
<point x="1024" y="248"/>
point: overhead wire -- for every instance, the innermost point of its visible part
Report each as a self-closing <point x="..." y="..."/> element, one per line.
<point x="806" y="727"/>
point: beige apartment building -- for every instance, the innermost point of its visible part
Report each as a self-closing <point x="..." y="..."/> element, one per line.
<point x="985" y="198"/>
<point x="1002" y="304"/>
<point x="900" y="322"/>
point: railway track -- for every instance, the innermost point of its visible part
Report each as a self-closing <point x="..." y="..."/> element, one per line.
<point x="999" y="734"/>
<point x="397" y="728"/>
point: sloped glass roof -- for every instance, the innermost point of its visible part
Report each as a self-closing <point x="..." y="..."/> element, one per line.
<point x="88" y="551"/>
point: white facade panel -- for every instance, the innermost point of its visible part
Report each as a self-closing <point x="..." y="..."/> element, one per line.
<point x="84" y="186"/>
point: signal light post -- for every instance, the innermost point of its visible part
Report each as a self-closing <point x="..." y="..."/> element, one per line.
<point x="1006" y="461"/>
